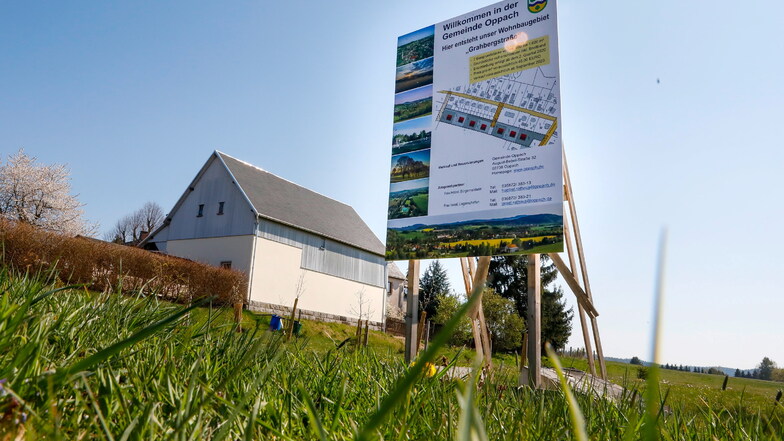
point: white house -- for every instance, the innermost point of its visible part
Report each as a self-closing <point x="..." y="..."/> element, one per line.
<point x="236" y="215"/>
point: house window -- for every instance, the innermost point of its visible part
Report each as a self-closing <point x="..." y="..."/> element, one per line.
<point x="389" y="293"/>
<point x="226" y="264"/>
<point x="201" y="210"/>
<point x="220" y="207"/>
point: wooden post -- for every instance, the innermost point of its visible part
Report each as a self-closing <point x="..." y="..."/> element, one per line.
<point x="237" y="315"/>
<point x="523" y="351"/>
<point x="291" y="319"/>
<point x="412" y="304"/>
<point x="480" y="278"/>
<point x="579" y="242"/>
<point x="475" y="332"/>
<point x="367" y="332"/>
<point x="580" y="309"/>
<point x="421" y="329"/>
<point x="534" y="321"/>
<point x="427" y="332"/>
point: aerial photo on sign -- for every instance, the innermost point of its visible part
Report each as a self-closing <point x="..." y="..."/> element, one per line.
<point x="476" y="164"/>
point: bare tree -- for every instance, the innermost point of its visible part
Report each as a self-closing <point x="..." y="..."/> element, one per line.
<point x="129" y="229"/>
<point x="39" y="195"/>
<point x="152" y="216"/>
<point x="362" y="308"/>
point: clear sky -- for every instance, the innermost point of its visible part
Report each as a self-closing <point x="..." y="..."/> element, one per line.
<point x="672" y="116"/>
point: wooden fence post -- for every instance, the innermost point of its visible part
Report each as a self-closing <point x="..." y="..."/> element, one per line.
<point x="412" y="305"/>
<point x="534" y="321"/>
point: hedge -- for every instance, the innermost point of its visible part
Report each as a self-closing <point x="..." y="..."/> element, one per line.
<point x="105" y="266"/>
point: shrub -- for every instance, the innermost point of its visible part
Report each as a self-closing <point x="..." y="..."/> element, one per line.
<point x="104" y="266"/>
<point x="505" y="325"/>
<point x="448" y="304"/>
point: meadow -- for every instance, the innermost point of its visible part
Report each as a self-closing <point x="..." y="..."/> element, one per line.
<point x="84" y="365"/>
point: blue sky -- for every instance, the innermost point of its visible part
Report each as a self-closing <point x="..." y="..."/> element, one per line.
<point x="414" y="94"/>
<point x="411" y="126"/>
<point x="134" y="96"/>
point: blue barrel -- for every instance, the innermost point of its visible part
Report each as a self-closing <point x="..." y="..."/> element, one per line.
<point x="275" y="323"/>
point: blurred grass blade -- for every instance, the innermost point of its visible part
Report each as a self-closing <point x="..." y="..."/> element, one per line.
<point x="575" y="414"/>
<point x="470" y="427"/>
<point x="650" y="430"/>
<point x="398" y="394"/>
<point x="313" y="414"/>
<point x="53" y="291"/>
<point x="116" y="348"/>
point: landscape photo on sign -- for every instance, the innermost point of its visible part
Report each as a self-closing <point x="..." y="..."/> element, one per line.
<point x="482" y="140"/>
<point x="411" y="135"/>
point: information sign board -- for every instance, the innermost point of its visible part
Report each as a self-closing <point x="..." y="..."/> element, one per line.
<point x="476" y="164"/>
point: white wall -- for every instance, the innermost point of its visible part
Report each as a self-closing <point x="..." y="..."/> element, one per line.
<point x="214" y="186"/>
<point x="277" y="268"/>
<point x="214" y="250"/>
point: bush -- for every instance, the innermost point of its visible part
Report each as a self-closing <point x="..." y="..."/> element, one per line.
<point x="448" y="304"/>
<point x="642" y="373"/>
<point x="505" y="325"/>
<point x="104" y="266"/>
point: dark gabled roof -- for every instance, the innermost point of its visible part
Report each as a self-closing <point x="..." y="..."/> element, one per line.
<point x="279" y="200"/>
<point x="394" y="272"/>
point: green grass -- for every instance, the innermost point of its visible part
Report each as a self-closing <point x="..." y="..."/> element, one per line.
<point x="107" y="366"/>
<point x="421" y="202"/>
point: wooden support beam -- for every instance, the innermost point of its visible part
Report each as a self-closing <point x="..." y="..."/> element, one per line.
<point x="534" y="322"/>
<point x="583" y="268"/>
<point x="475" y="332"/>
<point x="480" y="278"/>
<point x="582" y="298"/>
<point x="580" y="309"/>
<point x="412" y="305"/>
<point x="421" y="329"/>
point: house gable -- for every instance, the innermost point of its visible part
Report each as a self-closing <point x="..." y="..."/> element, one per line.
<point x="213" y="205"/>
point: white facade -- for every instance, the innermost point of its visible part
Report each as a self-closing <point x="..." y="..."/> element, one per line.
<point x="276" y="275"/>
<point x="215" y="222"/>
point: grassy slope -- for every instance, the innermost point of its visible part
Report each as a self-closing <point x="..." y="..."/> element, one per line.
<point x="686" y="389"/>
<point x="195" y="378"/>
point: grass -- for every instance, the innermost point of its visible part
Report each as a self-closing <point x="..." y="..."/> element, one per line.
<point x="108" y="366"/>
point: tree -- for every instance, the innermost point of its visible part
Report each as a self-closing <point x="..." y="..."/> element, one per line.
<point x="766" y="368"/>
<point x="448" y="304"/>
<point x="40" y="195"/>
<point x="508" y="277"/>
<point x="505" y="326"/>
<point x="738" y="373"/>
<point x="129" y="229"/>
<point x="433" y="284"/>
<point x="635" y="360"/>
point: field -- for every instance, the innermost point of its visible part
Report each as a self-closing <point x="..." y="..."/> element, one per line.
<point x="408" y="203"/>
<point x="493" y="242"/>
<point x="413" y="109"/>
<point x="524" y="234"/>
<point x="77" y="365"/>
